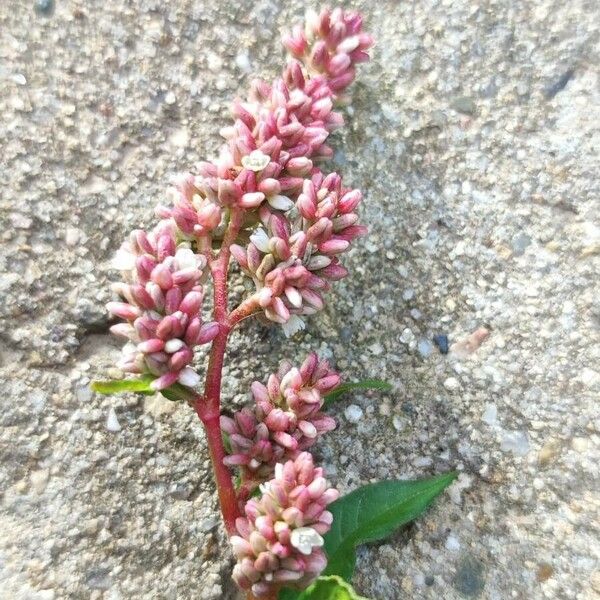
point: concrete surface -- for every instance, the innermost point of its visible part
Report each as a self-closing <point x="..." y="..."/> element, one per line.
<point x="474" y="134"/>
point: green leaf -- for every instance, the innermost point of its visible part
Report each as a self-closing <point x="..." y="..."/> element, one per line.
<point x="324" y="588"/>
<point x="365" y="384"/>
<point x="178" y="393"/>
<point x="175" y="392"/>
<point x="116" y="386"/>
<point x="373" y="512"/>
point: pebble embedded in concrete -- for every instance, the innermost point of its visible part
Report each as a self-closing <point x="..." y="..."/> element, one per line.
<point x="353" y="413"/>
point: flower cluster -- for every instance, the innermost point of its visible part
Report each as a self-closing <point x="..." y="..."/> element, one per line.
<point x="194" y="210"/>
<point x="298" y="219"/>
<point x="330" y="43"/>
<point x="265" y="202"/>
<point x="279" y="540"/>
<point x="286" y="418"/>
<point x="163" y="297"/>
<point x="293" y="259"/>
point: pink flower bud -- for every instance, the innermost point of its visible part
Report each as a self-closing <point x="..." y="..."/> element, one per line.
<point x="228" y="192"/>
<point x="191" y="303"/>
<point x="180" y="359"/>
<point x="335" y="272"/>
<point x="299" y="166"/>
<point x="296" y="44"/>
<point x="269" y="186"/>
<point x="151" y="346"/>
<point x="334" y="246"/>
<point x="172" y="300"/>
<point x="208" y="332"/>
<point x="349" y="201"/>
<point x="162" y="277"/>
<point x="164" y="381"/>
<point x="123" y="310"/>
<point x="240" y="255"/>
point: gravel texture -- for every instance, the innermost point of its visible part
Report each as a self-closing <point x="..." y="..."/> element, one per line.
<point x="474" y="134"/>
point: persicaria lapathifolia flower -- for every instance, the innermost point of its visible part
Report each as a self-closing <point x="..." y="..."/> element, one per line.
<point x="331" y="43"/>
<point x="195" y="210"/>
<point x="293" y="257"/>
<point x="163" y="298"/>
<point x="267" y="169"/>
<point x="285" y="419"/>
<point x="280" y="537"/>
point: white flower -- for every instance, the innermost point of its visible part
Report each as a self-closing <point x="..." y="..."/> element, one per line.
<point x="255" y="161"/>
<point x="305" y="539"/>
<point x="261" y="240"/>
<point x="293" y="325"/>
<point x="186" y="259"/>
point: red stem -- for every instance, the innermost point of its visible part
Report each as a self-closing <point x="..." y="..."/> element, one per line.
<point x="225" y="489"/>
<point x="208" y="406"/>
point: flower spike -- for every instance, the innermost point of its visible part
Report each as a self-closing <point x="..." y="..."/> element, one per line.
<point x="163" y="298"/>
<point x="280" y="537"/>
<point x="285" y="420"/>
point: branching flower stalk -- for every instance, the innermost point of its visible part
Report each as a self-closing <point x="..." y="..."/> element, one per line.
<point x="266" y="204"/>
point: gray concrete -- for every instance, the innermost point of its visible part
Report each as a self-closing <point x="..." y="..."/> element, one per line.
<point x="474" y="135"/>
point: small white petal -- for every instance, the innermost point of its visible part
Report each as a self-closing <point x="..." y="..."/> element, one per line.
<point x="278" y="471"/>
<point x="123" y="260"/>
<point x="260" y="239"/>
<point x="349" y="44"/>
<point x="280" y="202"/>
<point x="255" y="161"/>
<point x="293" y="325"/>
<point x="293" y="295"/>
<point x="189" y="377"/>
<point x="173" y="345"/>
<point x="186" y="259"/>
<point x="305" y="539"/>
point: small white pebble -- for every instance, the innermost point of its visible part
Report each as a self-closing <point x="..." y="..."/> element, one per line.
<point x="490" y="414"/>
<point x="170" y="98"/>
<point x="112" y="423"/>
<point x="243" y="62"/>
<point x="354" y="413"/>
<point x="579" y="444"/>
<point x="452" y="544"/>
<point x="398" y="423"/>
<point x="516" y="442"/>
<point x="407" y="336"/>
<point x="424" y="347"/>
<point x="71" y="236"/>
<point x="451" y="384"/>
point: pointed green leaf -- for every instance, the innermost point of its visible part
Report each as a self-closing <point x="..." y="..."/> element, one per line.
<point x="324" y="588"/>
<point x="117" y="386"/>
<point x="365" y="384"/>
<point x="373" y="512"/>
